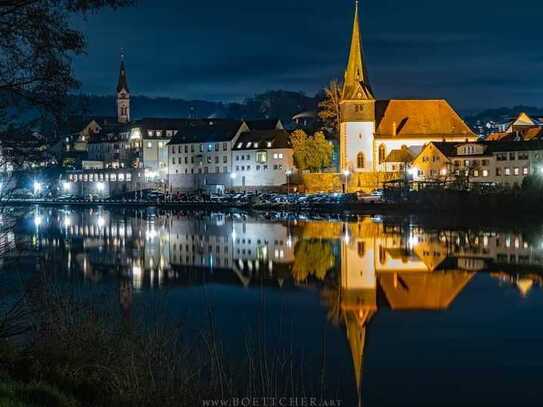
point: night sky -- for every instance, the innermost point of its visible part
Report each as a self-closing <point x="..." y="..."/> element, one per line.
<point x="476" y="53"/>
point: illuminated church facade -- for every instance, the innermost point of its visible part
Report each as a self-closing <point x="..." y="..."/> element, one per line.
<point x="371" y="129"/>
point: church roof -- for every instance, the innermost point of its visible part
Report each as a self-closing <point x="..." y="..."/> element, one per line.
<point x="356" y="84"/>
<point x="418" y="119"/>
<point x="433" y="290"/>
<point x="123" y="82"/>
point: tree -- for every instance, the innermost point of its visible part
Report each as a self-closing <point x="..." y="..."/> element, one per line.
<point x="37" y="41"/>
<point x="329" y="108"/>
<point x="311" y="153"/>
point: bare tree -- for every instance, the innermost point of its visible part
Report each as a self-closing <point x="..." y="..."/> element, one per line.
<point x="330" y="112"/>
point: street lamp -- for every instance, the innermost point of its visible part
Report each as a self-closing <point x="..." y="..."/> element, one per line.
<point x="346" y="175"/>
<point x="37" y="187"/>
<point x="288" y="173"/>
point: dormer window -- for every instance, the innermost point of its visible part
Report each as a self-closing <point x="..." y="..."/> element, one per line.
<point x="249" y="145"/>
<point x="240" y="145"/>
<point x="269" y="144"/>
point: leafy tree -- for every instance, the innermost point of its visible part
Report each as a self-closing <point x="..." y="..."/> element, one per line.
<point x="329" y="108"/>
<point x="312" y="258"/>
<point x="311" y="153"/>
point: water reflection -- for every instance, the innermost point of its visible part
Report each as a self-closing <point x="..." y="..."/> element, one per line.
<point x="360" y="267"/>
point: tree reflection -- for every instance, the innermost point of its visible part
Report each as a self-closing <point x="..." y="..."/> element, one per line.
<point x="312" y="258"/>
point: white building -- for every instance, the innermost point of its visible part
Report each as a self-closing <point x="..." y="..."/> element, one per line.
<point x="262" y="160"/>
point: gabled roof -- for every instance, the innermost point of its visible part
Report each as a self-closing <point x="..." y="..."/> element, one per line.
<point x="403" y="155"/>
<point x="211" y="132"/>
<point x="418" y="119"/>
<point x="500" y="136"/>
<point x="264" y="124"/>
<point x="259" y="139"/>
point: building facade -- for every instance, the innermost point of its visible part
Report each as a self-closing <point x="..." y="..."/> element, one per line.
<point x="501" y="163"/>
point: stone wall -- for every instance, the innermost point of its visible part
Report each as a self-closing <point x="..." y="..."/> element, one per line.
<point x="363" y="181"/>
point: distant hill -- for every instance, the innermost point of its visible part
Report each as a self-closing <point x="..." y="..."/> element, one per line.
<point x="272" y="104"/>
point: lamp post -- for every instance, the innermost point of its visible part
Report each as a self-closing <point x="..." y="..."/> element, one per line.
<point x="346" y="175"/>
<point x="288" y="173"/>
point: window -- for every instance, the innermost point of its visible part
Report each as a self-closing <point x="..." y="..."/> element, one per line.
<point x="508" y="171"/>
<point x="201" y="148"/>
<point x="511" y="156"/>
<point x="498" y="172"/>
<point x="160" y="144"/>
<point x="525" y="171"/>
<point x="216" y="148"/>
<point x="360" y="160"/>
<point x="224" y="146"/>
<point x="501" y="156"/>
<point x="275" y="156"/>
<point x="269" y="144"/>
<point x="485" y="163"/>
<point x="249" y="144"/>
<point x="240" y="145"/>
<point x="173" y="160"/>
<point x="485" y="173"/>
<point x="149" y="144"/>
<point x="186" y="149"/>
<point x="381" y="153"/>
<point x="517" y="171"/>
<point x="225" y="159"/>
<point x="261" y="157"/>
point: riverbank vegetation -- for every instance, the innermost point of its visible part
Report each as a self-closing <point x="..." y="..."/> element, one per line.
<point x="78" y="351"/>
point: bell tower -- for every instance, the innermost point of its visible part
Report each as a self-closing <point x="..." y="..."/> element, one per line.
<point x="357" y="108"/>
<point x="123" y="96"/>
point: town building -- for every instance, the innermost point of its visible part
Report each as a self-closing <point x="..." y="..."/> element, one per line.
<point x="500" y="163"/>
<point x="261" y="160"/>
<point x="200" y="156"/>
<point x="371" y="129"/>
<point x="221" y="154"/>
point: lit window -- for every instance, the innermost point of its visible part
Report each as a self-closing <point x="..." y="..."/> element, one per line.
<point x="275" y="156"/>
<point x="525" y="171"/>
<point x="249" y="145"/>
<point x="261" y="157"/>
<point x="160" y="144"/>
<point x="485" y="173"/>
<point x="508" y="171"/>
<point x="269" y="144"/>
<point x="149" y="144"/>
<point x="517" y="171"/>
<point x="280" y="155"/>
<point x="121" y="177"/>
<point x="240" y="145"/>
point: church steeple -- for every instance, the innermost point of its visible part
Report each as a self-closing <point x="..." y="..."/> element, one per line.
<point x="123" y="96"/>
<point x="123" y="82"/>
<point x="356" y="85"/>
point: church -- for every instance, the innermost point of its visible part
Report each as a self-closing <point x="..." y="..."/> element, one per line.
<point x="371" y="129"/>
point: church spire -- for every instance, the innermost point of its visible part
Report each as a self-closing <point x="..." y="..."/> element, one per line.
<point x="123" y="95"/>
<point x="123" y="82"/>
<point x="356" y="84"/>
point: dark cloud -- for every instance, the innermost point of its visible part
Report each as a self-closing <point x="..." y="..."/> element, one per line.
<point x="468" y="51"/>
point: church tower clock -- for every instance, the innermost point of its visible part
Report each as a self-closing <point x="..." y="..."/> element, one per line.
<point x="123" y="96"/>
<point x="357" y="109"/>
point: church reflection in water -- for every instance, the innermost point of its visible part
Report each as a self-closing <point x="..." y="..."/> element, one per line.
<point x="360" y="267"/>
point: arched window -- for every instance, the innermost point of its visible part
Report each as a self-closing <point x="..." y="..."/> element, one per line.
<point x="360" y="160"/>
<point x="382" y="154"/>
